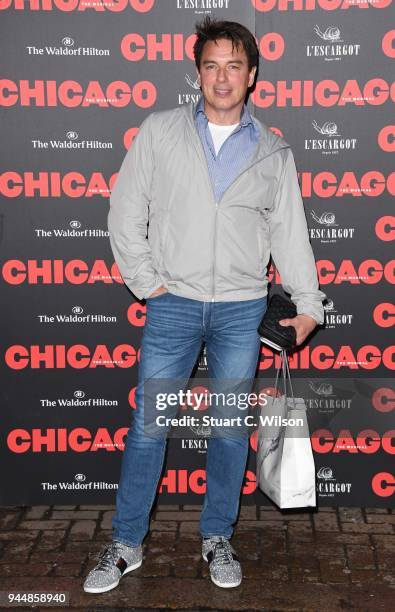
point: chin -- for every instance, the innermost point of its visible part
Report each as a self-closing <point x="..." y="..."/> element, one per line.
<point x="221" y="102"/>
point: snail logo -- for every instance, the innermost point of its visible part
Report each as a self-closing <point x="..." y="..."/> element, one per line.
<point x="71" y="135"/>
<point x="67" y="41"/>
<point x="79" y="394"/>
<point x="186" y="98"/>
<point x="323" y="389"/>
<point x="202" y="431"/>
<point x="74" y="224"/>
<point x="326" y="218"/>
<point x="331" y="34"/>
<point x="77" y="310"/>
<point x="80" y="477"/>
<point x="325" y="473"/>
<point x="200" y="442"/>
<point x="329" y="128"/>
<point x="329" y="306"/>
<point x="193" y="83"/>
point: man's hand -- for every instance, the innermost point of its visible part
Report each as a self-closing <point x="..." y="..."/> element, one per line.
<point x="158" y="291"/>
<point x="304" y="325"/>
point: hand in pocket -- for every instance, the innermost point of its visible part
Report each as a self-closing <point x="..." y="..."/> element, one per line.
<point x="160" y="291"/>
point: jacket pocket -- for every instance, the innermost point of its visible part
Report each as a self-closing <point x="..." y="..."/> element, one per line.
<point x="260" y="246"/>
<point x="262" y="237"/>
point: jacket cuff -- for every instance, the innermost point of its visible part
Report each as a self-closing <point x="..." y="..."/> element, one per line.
<point x="317" y="313"/>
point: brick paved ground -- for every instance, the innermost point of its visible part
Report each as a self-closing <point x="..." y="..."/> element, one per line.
<point x="334" y="559"/>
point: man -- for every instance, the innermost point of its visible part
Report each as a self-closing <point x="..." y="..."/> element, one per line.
<point x="219" y="191"/>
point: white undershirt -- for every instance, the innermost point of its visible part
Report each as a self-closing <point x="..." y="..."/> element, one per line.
<point x="220" y="133"/>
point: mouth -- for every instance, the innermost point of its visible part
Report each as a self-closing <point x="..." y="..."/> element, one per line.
<point x="222" y="92"/>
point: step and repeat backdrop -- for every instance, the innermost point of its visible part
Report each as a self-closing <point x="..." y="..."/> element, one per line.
<point x="77" y="79"/>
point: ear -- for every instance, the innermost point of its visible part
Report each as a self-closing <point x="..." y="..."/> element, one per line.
<point x="251" y="76"/>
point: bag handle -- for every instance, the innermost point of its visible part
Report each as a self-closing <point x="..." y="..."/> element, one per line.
<point x="286" y="375"/>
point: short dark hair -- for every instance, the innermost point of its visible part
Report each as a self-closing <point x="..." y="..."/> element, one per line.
<point x="213" y="29"/>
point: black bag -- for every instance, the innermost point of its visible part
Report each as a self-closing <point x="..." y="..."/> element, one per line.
<point x="270" y="331"/>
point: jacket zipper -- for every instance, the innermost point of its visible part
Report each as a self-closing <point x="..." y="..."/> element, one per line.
<point x="202" y="153"/>
<point x="216" y="213"/>
<point x="214" y="249"/>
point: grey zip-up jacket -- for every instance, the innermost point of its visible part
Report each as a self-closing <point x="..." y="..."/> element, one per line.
<point x="199" y="248"/>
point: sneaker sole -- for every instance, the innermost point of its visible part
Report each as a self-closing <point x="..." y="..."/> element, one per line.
<point x="114" y="584"/>
<point x="224" y="585"/>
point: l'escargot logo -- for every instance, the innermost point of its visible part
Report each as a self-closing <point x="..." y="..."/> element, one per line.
<point x="329" y="485"/>
<point x="330" y="141"/>
<point x="333" y="47"/>
<point x="329" y="232"/>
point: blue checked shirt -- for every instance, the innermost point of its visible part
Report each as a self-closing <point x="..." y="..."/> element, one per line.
<point x="233" y="154"/>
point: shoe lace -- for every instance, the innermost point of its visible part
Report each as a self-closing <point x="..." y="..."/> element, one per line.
<point x="108" y="557"/>
<point x="223" y="552"/>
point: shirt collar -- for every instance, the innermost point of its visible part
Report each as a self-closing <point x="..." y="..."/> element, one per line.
<point x="245" y="113"/>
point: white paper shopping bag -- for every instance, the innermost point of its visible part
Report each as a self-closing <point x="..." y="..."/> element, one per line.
<point x="285" y="462"/>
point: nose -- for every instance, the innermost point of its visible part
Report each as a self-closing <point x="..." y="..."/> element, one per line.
<point x="221" y="74"/>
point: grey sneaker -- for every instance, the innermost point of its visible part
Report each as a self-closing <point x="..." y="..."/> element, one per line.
<point x="115" y="560"/>
<point x="224" y="566"/>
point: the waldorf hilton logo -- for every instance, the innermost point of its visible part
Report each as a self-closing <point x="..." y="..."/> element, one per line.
<point x="328" y="485"/>
<point x="75" y="230"/>
<point x="71" y="141"/>
<point x="331" y="45"/>
<point x="78" y="400"/>
<point x="67" y="48"/>
<point x="76" y="316"/>
<point x="328" y="140"/>
<point x="328" y="231"/>
<point x="78" y="483"/>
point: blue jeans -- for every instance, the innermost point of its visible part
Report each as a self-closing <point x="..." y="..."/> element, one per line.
<point x="174" y="332"/>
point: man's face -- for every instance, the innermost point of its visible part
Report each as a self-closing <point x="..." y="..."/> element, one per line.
<point x="224" y="75"/>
